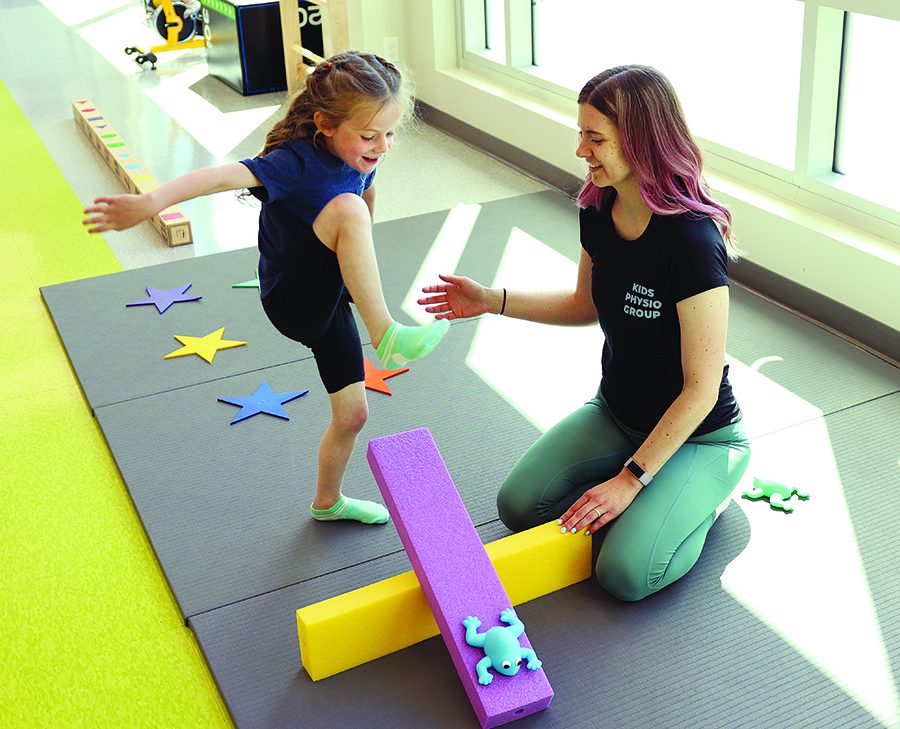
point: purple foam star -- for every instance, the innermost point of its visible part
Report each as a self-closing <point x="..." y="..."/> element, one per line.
<point x="262" y="401"/>
<point x="162" y="299"/>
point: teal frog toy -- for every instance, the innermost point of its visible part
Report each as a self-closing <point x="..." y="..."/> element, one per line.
<point x="777" y="494"/>
<point x="501" y="646"/>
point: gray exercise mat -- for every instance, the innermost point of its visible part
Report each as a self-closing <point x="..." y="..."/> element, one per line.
<point x="226" y="506"/>
<point x="118" y="351"/>
<point x="805" y="361"/>
<point x="690" y="656"/>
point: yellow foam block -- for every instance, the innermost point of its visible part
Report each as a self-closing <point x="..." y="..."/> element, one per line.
<point x="373" y="621"/>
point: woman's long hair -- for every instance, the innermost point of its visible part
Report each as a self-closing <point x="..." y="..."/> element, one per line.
<point x="337" y="88"/>
<point x="656" y="143"/>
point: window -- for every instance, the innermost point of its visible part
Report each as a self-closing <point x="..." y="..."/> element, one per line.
<point x="796" y="96"/>
<point x="735" y="66"/>
<point x="867" y="149"/>
<point x="485" y="32"/>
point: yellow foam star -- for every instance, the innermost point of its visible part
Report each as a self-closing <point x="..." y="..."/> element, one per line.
<point x="205" y="347"/>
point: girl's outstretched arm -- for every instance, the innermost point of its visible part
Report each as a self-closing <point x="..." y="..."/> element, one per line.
<point x="118" y="212"/>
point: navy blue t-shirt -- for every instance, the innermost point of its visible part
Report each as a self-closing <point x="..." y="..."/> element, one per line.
<point x="635" y="286"/>
<point x="298" y="180"/>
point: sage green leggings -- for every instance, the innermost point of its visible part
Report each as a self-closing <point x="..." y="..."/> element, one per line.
<point x="659" y="537"/>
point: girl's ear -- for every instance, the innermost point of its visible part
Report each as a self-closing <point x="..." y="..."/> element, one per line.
<point x="323" y="125"/>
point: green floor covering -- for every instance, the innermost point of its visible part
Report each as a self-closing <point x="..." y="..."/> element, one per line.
<point x="89" y="633"/>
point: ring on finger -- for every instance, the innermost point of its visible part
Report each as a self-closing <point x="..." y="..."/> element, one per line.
<point x="599" y="515"/>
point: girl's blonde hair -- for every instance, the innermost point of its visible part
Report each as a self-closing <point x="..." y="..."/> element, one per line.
<point x="338" y="88"/>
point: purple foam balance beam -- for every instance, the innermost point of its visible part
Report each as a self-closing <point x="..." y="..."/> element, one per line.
<point x="453" y="569"/>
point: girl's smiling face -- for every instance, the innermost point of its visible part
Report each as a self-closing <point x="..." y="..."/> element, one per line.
<point x="363" y="139"/>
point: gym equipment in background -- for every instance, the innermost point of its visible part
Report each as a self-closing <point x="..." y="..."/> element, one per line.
<point x="179" y="23"/>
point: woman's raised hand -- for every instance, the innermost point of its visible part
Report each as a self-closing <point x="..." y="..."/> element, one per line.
<point x="117" y="212"/>
<point x="457" y="298"/>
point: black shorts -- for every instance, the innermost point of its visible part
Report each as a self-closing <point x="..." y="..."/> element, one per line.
<point x="311" y="305"/>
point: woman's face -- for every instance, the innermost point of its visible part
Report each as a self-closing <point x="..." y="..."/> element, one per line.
<point x="599" y="146"/>
<point x="363" y="139"/>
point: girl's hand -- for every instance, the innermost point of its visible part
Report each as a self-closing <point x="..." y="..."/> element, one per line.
<point x="457" y="298"/>
<point x="117" y="212"/>
<point x="601" y="504"/>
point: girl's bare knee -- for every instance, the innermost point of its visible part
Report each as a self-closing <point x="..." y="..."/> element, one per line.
<point x="351" y="419"/>
<point x="345" y="217"/>
<point x="345" y="209"/>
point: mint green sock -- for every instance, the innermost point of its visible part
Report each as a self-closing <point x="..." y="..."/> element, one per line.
<point x="368" y="512"/>
<point x="401" y="344"/>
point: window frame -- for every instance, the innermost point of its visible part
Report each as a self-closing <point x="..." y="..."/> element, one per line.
<point x="812" y="183"/>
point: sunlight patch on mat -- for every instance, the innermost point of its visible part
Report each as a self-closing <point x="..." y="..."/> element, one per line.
<point x="545" y="372"/>
<point x="802" y="574"/>
<point x="443" y="256"/>
<point x="766" y="406"/>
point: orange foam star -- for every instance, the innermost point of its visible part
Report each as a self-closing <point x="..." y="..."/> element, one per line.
<point x="375" y="378"/>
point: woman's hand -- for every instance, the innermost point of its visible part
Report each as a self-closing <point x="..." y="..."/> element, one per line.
<point x="601" y="504"/>
<point x="457" y="298"/>
<point x="117" y="212"/>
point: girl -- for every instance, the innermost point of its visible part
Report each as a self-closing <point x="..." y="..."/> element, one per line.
<point x="314" y="179"/>
<point x="660" y="448"/>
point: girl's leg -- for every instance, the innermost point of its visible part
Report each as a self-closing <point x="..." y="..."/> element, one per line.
<point x="580" y="451"/>
<point x="659" y="537"/>
<point x="345" y="226"/>
<point x="321" y="318"/>
<point x="349" y="412"/>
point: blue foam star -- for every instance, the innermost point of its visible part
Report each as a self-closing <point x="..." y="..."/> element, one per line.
<point x="164" y="298"/>
<point x="262" y="401"/>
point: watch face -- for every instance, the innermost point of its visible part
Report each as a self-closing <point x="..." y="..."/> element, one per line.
<point x="639" y="473"/>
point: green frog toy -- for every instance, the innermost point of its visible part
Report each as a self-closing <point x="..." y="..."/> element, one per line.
<point x="501" y="647"/>
<point x="776" y="493"/>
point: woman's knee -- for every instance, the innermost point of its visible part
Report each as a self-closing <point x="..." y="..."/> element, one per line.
<point x="516" y="510"/>
<point x="623" y="578"/>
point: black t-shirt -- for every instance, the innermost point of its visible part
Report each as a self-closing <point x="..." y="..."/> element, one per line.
<point x="635" y="286"/>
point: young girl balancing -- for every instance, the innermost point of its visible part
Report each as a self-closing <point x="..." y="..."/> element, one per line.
<point x="314" y="179"/>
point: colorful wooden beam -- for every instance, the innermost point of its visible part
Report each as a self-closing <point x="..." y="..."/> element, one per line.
<point x="172" y="223"/>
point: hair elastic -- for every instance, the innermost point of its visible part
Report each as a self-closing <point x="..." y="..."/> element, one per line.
<point x="503" y="305"/>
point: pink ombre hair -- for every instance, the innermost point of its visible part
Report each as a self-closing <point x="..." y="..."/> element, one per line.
<point x="656" y="143"/>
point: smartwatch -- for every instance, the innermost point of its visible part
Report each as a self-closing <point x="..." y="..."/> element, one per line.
<point x="639" y="473"/>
